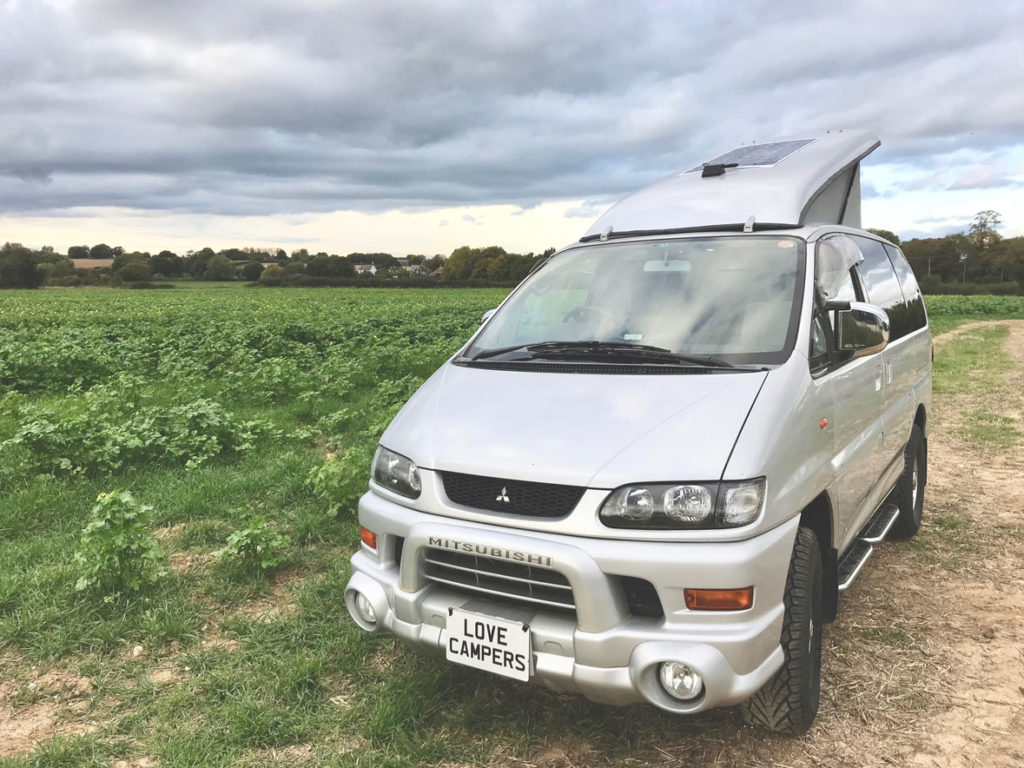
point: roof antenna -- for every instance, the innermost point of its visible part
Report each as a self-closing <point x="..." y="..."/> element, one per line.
<point x="608" y="231"/>
<point x="748" y="225"/>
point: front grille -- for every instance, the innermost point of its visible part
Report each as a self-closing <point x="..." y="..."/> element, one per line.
<point x="518" y="582"/>
<point x="514" y="497"/>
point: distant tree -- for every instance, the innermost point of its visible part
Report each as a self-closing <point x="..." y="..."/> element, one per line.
<point x="18" y="269"/>
<point x="235" y="254"/>
<point x="101" y="251"/>
<point x="166" y="263"/>
<point x="197" y="261"/>
<point x="219" y="268"/>
<point x="258" y="254"/>
<point x="134" y="269"/>
<point x="341" y="267"/>
<point x="467" y="263"/>
<point x="301" y="254"/>
<point x="281" y="254"/>
<point x="57" y="270"/>
<point x="887" y="234"/>
<point x="122" y="259"/>
<point x="382" y="261"/>
<point x="461" y="263"/>
<point x="433" y="263"/>
<point x="251" y="271"/>
<point x="78" y="252"/>
<point x="272" y="275"/>
<point x="509" y="267"/>
<point x="982" y="231"/>
<point x="319" y="265"/>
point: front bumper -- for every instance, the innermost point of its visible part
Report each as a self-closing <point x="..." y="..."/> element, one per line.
<point x="601" y="651"/>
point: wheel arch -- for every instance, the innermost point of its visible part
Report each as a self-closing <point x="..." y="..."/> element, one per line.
<point x="818" y="517"/>
<point x="921" y="422"/>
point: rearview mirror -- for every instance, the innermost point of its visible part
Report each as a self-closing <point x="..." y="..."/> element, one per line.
<point x="863" y="329"/>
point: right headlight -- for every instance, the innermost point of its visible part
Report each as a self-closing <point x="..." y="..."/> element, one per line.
<point x="396" y="473"/>
<point x="684" y="505"/>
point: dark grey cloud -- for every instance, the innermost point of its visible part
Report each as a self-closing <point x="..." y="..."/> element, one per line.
<point x="314" y="105"/>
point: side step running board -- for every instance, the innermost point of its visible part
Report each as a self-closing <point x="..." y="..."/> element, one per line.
<point x="852" y="562"/>
<point x="880" y="523"/>
<point x="859" y="552"/>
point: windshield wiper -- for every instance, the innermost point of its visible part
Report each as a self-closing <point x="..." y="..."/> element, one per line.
<point x="606" y="351"/>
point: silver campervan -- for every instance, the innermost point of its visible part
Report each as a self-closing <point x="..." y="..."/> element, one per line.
<point x="655" y="467"/>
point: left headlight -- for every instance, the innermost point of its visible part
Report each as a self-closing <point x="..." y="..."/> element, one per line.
<point x="684" y="505"/>
<point x="396" y="473"/>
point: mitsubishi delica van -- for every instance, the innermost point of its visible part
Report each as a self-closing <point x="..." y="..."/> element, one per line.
<point x="651" y="472"/>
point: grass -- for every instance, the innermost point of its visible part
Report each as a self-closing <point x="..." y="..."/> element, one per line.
<point x="222" y="667"/>
<point x="977" y="362"/>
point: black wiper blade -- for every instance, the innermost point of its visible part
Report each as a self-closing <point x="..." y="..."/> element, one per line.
<point x="530" y="350"/>
<point x="611" y="351"/>
<point x="607" y="351"/>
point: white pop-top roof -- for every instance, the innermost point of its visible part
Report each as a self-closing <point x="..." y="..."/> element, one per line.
<point x="783" y="183"/>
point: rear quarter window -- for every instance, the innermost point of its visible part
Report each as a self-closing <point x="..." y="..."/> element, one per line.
<point x="916" y="316"/>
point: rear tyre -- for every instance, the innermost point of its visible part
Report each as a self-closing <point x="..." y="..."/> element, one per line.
<point x="910" y="488"/>
<point x="788" y="703"/>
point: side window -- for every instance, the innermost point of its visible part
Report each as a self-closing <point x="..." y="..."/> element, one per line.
<point x="882" y="286"/>
<point x="832" y="272"/>
<point x="916" y="317"/>
<point x="819" y="357"/>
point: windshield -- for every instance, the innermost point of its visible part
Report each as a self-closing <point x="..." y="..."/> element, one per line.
<point x="727" y="299"/>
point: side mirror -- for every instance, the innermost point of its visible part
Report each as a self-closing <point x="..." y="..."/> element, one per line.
<point x="863" y="329"/>
<point x="487" y="315"/>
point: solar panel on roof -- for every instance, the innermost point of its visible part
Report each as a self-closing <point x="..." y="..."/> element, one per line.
<point x="757" y="154"/>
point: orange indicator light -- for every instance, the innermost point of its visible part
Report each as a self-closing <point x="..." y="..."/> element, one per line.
<point x="719" y="599"/>
<point x="369" y="537"/>
<point x="823" y="423"/>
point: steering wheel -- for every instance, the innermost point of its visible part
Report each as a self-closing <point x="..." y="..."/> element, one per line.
<point x="579" y="314"/>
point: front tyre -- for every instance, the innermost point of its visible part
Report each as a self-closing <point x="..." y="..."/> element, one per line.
<point x="910" y="488"/>
<point x="788" y="702"/>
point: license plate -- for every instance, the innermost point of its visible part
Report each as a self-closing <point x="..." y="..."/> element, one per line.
<point x="489" y="643"/>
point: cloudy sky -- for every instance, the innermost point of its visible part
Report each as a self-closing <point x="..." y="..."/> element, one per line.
<point x="416" y="127"/>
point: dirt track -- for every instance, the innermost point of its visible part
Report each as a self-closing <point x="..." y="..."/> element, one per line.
<point x="943" y="616"/>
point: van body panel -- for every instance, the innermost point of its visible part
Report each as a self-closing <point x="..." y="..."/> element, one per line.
<point x="784" y="442"/>
<point x="590" y="430"/>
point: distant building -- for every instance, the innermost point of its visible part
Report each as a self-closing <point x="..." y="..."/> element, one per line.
<point x="366" y="269"/>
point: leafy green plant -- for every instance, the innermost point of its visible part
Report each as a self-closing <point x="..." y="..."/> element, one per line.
<point x="116" y="427"/>
<point x="341" y="480"/>
<point x="256" y="547"/>
<point x="116" y="553"/>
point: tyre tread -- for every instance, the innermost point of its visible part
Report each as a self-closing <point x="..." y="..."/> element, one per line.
<point x="779" y="704"/>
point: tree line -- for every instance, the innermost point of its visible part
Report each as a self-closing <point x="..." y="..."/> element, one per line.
<point x="22" y="267"/>
<point x="975" y="260"/>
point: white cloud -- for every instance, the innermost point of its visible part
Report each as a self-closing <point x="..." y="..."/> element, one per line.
<point x="240" y="113"/>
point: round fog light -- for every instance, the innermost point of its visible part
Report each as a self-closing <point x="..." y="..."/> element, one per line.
<point x="681" y="681"/>
<point x="364" y="609"/>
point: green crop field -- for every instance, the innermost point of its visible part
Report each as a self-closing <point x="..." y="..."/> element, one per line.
<point x="198" y="619"/>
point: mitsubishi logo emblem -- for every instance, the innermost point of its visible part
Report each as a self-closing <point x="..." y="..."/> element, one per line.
<point x="503" y="496"/>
